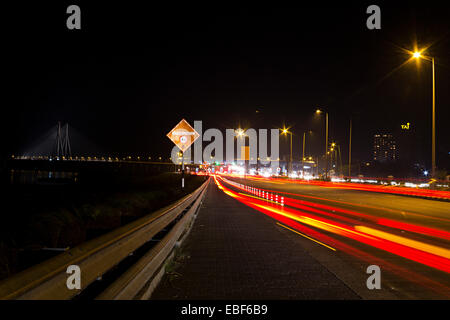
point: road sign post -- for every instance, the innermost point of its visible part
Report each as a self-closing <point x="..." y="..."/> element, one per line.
<point x="183" y="136"/>
<point x="182" y="170"/>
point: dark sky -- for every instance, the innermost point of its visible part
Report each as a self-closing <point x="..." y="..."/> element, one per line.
<point x="134" y="71"/>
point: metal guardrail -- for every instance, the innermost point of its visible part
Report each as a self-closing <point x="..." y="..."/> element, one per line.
<point x="47" y="281"/>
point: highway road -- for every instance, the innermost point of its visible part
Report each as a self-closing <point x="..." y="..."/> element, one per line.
<point x="348" y="230"/>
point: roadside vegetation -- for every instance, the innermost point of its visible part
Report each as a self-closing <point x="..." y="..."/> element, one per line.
<point x="40" y="221"/>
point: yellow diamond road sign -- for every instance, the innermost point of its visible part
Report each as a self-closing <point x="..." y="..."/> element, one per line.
<point x="183" y="135"/>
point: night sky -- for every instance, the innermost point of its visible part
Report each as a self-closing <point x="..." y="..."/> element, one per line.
<point x="134" y="71"/>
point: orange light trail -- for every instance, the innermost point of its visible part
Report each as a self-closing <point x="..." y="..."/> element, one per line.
<point x="362" y="187"/>
<point x="407" y="274"/>
<point x="356" y="204"/>
<point x="412" y="250"/>
<point x="413" y="228"/>
<point x="304" y="205"/>
<point x="405" y="241"/>
<point x="437" y="233"/>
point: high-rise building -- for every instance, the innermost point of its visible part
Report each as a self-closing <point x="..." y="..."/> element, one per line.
<point x="384" y="148"/>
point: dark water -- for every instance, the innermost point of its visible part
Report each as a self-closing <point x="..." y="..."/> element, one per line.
<point x="20" y="176"/>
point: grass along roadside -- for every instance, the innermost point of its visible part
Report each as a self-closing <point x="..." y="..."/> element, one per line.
<point x="32" y="238"/>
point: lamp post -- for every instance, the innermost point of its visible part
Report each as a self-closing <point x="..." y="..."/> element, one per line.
<point x="418" y="55"/>
<point x="303" y="151"/>
<point x="303" y="155"/>
<point x="241" y="134"/>
<point x="285" y="131"/>
<point x="333" y="145"/>
<point x="350" y="151"/>
<point x="340" y="160"/>
<point x="318" y="111"/>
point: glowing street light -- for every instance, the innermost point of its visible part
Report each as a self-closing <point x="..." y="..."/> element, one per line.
<point x="303" y="150"/>
<point x="318" y="111"/>
<point x="240" y="132"/>
<point x="418" y="55"/>
<point x="286" y="132"/>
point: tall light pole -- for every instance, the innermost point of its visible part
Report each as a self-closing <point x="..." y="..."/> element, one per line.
<point x="318" y="111"/>
<point x="303" y="155"/>
<point x="418" y="55"/>
<point x="285" y="131"/>
<point x="303" y="151"/>
<point x="241" y="134"/>
<point x="332" y="150"/>
<point x="340" y="160"/>
<point x="350" y="151"/>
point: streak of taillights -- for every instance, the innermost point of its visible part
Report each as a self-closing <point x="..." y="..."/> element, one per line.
<point x="370" y="188"/>
<point x="437" y="233"/>
<point x="409" y="250"/>
<point x="339" y="245"/>
<point x="357" y="204"/>
<point x="414" y="228"/>
<point x="307" y="205"/>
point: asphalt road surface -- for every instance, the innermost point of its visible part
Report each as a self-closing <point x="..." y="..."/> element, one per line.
<point x="405" y="223"/>
<point x="325" y="239"/>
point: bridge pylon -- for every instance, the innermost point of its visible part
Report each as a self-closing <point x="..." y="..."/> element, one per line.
<point x="62" y="142"/>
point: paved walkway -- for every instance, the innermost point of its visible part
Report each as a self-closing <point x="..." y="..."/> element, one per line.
<point x="236" y="252"/>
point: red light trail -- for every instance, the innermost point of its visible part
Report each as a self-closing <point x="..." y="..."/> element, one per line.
<point x="363" y="187"/>
<point x="308" y="218"/>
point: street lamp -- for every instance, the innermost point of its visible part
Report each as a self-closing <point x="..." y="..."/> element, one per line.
<point x="241" y="134"/>
<point x="332" y="152"/>
<point x="286" y="132"/>
<point x="318" y="111"/>
<point x="418" y="55"/>
<point x="350" y="151"/>
<point x="303" y="152"/>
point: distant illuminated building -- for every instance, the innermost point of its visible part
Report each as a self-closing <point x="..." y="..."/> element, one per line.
<point x="384" y="148"/>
